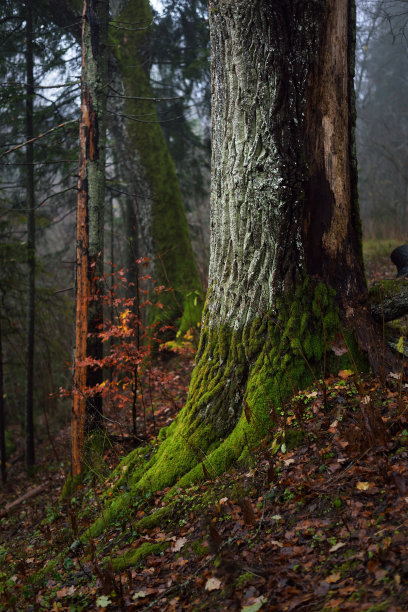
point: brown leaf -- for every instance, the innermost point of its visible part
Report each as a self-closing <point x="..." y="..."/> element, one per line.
<point x="247" y="511"/>
<point x="215" y="539"/>
<point x="333" y="577"/>
<point x="212" y="584"/>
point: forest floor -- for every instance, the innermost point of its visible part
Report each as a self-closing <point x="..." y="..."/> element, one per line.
<point x="315" y="522"/>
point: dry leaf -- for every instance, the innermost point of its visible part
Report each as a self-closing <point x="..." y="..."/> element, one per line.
<point x="178" y="545"/>
<point x="337" y="546"/>
<point x="212" y="584"/>
<point x="346" y="373"/>
<point x="289" y="461"/>
<point x="363" y="486"/>
<point x="139" y="595"/>
<point x="247" y="511"/>
<point x="333" y="578"/>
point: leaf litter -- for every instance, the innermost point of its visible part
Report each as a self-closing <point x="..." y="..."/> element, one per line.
<point x="322" y="526"/>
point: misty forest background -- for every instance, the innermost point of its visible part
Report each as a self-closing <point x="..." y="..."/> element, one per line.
<point x="178" y="63"/>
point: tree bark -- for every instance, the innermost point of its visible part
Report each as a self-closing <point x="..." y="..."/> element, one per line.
<point x="30" y="205"/>
<point x="286" y="273"/>
<point x="87" y="412"/>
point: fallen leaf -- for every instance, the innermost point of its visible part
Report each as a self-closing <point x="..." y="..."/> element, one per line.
<point x="178" y="545"/>
<point x="394" y="375"/>
<point x="338" y="347"/>
<point x="247" y="511"/>
<point x="212" y="584"/>
<point x="363" y="486"/>
<point x="346" y="373"/>
<point x="289" y="461"/>
<point x="66" y="592"/>
<point x="103" y="601"/>
<point x="333" y="578"/>
<point x="139" y="595"/>
<point x="337" y="546"/>
<point x="257" y="605"/>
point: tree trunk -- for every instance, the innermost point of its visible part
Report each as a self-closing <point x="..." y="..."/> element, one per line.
<point x="30" y="205"/>
<point x="87" y="412"/>
<point x="151" y="176"/>
<point x="286" y="273"/>
<point x="146" y="168"/>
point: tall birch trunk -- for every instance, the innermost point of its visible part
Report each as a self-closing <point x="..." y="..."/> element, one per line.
<point x="30" y="205"/>
<point x="87" y="412"/>
<point x="286" y="274"/>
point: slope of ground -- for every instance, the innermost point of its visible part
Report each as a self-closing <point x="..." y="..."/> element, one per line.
<point x="315" y="520"/>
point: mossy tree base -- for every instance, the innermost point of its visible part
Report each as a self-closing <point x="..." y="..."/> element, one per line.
<point x="240" y="382"/>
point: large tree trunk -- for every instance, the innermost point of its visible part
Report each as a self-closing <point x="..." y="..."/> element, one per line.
<point x="286" y="273"/>
<point x="87" y="411"/>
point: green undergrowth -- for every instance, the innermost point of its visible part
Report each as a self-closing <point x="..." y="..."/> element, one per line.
<point x="93" y="464"/>
<point x="240" y="383"/>
<point x="134" y="557"/>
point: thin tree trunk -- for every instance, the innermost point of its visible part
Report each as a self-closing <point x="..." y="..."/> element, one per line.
<point x="87" y="412"/>
<point x="3" y="457"/>
<point x="30" y="205"/>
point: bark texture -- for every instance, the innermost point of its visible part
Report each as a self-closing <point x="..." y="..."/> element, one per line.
<point x="87" y="412"/>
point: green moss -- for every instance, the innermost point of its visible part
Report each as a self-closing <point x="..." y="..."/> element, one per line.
<point x="244" y="578"/>
<point x="156" y="518"/>
<point x="174" y="265"/>
<point x="385" y="289"/>
<point x="261" y="367"/>
<point x="199" y="549"/>
<point x="135" y="557"/>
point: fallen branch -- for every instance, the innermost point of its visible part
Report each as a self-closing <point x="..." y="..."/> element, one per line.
<point x="20" y="500"/>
